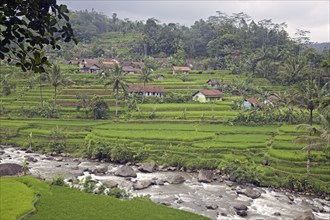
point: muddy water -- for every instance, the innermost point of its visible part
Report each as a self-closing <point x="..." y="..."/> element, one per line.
<point x="190" y="196"/>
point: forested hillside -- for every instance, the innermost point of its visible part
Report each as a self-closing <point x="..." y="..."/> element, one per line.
<point x="233" y="42"/>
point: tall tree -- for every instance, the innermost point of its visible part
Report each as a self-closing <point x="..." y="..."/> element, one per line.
<point x="27" y="26"/>
<point x="145" y="76"/>
<point x="117" y="82"/>
<point x="315" y="137"/>
<point x="56" y="78"/>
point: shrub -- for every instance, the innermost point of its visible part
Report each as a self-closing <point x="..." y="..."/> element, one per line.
<point x="121" y="154"/>
<point x="58" y="140"/>
<point x="98" y="107"/>
<point x="44" y="110"/>
<point x="58" y="180"/>
<point x="241" y="173"/>
<point x="299" y="184"/>
<point x="118" y="193"/>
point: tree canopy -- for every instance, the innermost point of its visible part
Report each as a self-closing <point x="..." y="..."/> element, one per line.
<point x="27" y="26"/>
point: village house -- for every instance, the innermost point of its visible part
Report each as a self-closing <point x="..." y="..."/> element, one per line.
<point x="181" y="69"/>
<point x="131" y="67"/>
<point x="146" y="90"/>
<point x="272" y="99"/>
<point x="208" y="95"/>
<point x="90" y="66"/>
<point x="216" y="84"/>
<point x="249" y="103"/>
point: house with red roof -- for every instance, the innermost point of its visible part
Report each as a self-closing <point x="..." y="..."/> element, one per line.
<point x="181" y="69"/>
<point x="208" y="95"/>
<point x="146" y="90"/>
<point x="249" y="103"/>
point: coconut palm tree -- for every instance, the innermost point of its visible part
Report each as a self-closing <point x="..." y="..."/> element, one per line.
<point x="42" y="77"/>
<point x="310" y="96"/>
<point x="145" y="76"/>
<point x="56" y="77"/>
<point x="315" y="137"/>
<point x="117" y="82"/>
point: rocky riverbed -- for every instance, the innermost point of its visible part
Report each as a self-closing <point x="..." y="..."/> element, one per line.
<point x="204" y="193"/>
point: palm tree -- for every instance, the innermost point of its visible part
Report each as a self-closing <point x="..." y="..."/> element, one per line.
<point x="315" y="137"/>
<point x="42" y="77"/>
<point x="56" y="79"/>
<point x="293" y="70"/>
<point x="117" y="82"/>
<point x="310" y="96"/>
<point x="145" y="76"/>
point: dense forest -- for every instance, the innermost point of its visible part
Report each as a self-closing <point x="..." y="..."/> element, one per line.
<point x="233" y="42"/>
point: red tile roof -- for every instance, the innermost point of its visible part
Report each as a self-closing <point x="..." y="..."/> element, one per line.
<point x="252" y="101"/>
<point x="181" y="68"/>
<point x="212" y="93"/>
<point x="142" y="88"/>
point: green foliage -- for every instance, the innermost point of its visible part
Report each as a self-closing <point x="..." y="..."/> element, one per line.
<point x="121" y="154"/>
<point x="58" y="140"/>
<point x="44" y="110"/>
<point x="98" y="107"/>
<point x="118" y="193"/>
<point x="58" y="180"/>
<point x="270" y="116"/>
<point x="29" y="26"/>
<point x="242" y="173"/>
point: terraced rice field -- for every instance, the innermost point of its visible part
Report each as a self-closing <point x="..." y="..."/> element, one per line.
<point x="189" y="134"/>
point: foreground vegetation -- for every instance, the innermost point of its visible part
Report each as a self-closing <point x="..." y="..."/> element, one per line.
<point x="59" y="202"/>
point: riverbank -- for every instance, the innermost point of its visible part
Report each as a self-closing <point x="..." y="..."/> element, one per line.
<point x="219" y="199"/>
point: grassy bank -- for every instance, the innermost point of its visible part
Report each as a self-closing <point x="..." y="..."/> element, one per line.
<point x="58" y="202"/>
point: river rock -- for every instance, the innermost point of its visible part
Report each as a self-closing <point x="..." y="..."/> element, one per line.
<point x="212" y="206"/>
<point x="277" y="214"/>
<point x="141" y="184"/>
<point x="59" y="159"/>
<point x="241" y="213"/>
<point x="249" y="192"/>
<point x="2" y="152"/>
<point x="240" y="207"/>
<point x="31" y="159"/>
<point x="171" y="168"/>
<point x="205" y="176"/>
<point x="10" y="169"/>
<point x="160" y="182"/>
<point x="125" y="171"/>
<point x="100" y="169"/>
<point x="175" y="179"/>
<point x="110" y="183"/>
<point x="28" y="151"/>
<point x="306" y="216"/>
<point x="147" y="167"/>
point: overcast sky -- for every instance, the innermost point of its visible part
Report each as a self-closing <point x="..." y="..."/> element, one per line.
<point x="309" y="15"/>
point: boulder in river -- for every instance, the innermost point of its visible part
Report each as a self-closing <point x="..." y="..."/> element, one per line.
<point x="31" y="159"/>
<point x="110" y="183"/>
<point x="308" y="215"/>
<point x="141" y="184"/>
<point x="241" y="213"/>
<point x="100" y="169"/>
<point x="240" y="207"/>
<point x="125" y="171"/>
<point x="175" y="179"/>
<point x="205" y="176"/>
<point x="147" y="167"/>
<point x="211" y="206"/>
<point x="249" y="192"/>
<point x="10" y="169"/>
